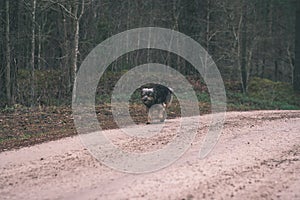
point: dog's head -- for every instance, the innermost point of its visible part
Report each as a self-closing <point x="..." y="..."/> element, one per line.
<point x="157" y="94"/>
<point x="148" y="96"/>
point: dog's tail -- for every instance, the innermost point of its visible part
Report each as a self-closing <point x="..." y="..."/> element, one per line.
<point x="169" y="97"/>
<point x="171" y="90"/>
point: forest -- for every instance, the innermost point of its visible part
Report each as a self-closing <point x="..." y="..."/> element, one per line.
<point x="43" y="42"/>
<point x="244" y="144"/>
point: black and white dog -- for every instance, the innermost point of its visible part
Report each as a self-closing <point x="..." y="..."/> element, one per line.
<point x="156" y="98"/>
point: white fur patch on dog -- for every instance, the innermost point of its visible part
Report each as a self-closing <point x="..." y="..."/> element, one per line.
<point x="148" y="90"/>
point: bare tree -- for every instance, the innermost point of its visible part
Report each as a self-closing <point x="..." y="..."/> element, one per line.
<point x="8" y="56"/>
<point x="243" y="47"/>
<point x="33" y="53"/>
<point x="77" y="18"/>
<point x="74" y="12"/>
<point x="296" y="78"/>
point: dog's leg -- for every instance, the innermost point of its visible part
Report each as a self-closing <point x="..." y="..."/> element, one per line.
<point x="162" y="115"/>
<point x="168" y="101"/>
<point x="149" y="117"/>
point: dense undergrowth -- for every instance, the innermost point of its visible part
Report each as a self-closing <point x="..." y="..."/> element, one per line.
<point x="52" y="90"/>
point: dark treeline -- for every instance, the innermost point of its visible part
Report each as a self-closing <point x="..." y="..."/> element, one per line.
<point x="43" y="42"/>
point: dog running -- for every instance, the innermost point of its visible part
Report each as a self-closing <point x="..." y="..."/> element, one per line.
<point x="156" y="98"/>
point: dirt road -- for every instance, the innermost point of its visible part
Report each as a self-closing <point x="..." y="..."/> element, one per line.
<point x="257" y="157"/>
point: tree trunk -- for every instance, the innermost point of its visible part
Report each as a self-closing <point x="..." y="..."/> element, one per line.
<point x="207" y="25"/>
<point x="76" y="43"/>
<point x="262" y="75"/>
<point x="243" y="47"/>
<point x="8" y="69"/>
<point x="207" y="36"/>
<point x="32" y="54"/>
<point x="296" y="78"/>
<point x="66" y="54"/>
<point x="276" y="71"/>
<point x="39" y="48"/>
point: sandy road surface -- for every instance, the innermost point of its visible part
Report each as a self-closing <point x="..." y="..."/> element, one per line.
<point x="257" y="157"/>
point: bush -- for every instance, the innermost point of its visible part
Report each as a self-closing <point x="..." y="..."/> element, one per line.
<point x="273" y="92"/>
<point x="49" y="88"/>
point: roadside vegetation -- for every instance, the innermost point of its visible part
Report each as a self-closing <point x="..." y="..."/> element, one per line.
<point x="22" y="125"/>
